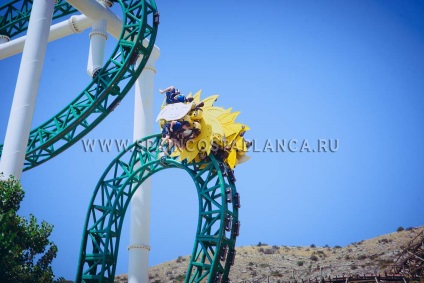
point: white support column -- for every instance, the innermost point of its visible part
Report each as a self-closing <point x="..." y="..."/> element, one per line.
<point x="75" y="24"/>
<point x="96" y="10"/>
<point x="140" y="203"/>
<point x="93" y="11"/>
<point x="23" y="104"/>
<point x="98" y="37"/>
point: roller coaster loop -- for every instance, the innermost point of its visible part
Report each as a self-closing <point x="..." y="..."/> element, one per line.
<point x="218" y="225"/>
<point x="104" y="92"/>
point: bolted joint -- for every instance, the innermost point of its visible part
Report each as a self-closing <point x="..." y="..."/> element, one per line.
<point x="96" y="72"/>
<point x="231" y="256"/>
<point x="73" y="26"/>
<point x="237" y="200"/>
<point x="229" y="195"/>
<point x="138" y="247"/>
<point x="236" y="229"/>
<point x="106" y="3"/>
<point x="4" y="38"/>
<point x="223" y="252"/>
<point x="98" y="33"/>
<point x="156" y="18"/>
<point x="228" y="222"/>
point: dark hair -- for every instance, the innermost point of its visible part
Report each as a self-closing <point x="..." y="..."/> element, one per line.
<point x="194" y="134"/>
<point x="186" y="123"/>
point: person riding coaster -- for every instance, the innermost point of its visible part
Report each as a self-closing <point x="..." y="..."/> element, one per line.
<point x="173" y="95"/>
<point x="217" y="132"/>
<point x="173" y="133"/>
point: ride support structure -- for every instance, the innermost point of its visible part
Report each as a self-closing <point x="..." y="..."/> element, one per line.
<point x="26" y="90"/>
<point x="139" y="247"/>
<point x="127" y="178"/>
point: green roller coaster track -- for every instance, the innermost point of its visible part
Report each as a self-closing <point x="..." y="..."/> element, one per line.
<point x="105" y="91"/>
<point x="218" y="225"/>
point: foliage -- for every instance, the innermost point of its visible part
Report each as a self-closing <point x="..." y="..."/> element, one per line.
<point x="400" y="228"/>
<point x="180" y="278"/>
<point x="25" y="250"/>
<point x="313" y="257"/>
<point x="384" y="241"/>
<point x="180" y="259"/>
<point x="300" y="263"/>
<point x="361" y="257"/>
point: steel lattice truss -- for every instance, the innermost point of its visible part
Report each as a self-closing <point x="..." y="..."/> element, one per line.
<point x="108" y="87"/>
<point x="14" y="16"/>
<point x="410" y="262"/>
<point x="218" y="224"/>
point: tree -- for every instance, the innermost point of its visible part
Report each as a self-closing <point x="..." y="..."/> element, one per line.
<point x="26" y="252"/>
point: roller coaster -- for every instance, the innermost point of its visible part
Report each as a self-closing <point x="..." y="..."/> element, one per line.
<point x="218" y="225"/>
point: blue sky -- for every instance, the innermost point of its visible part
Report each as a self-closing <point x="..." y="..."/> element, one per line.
<point x="345" y="70"/>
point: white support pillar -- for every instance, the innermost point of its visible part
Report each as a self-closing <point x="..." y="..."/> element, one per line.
<point x="75" y="24"/>
<point x="93" y="11"/>
<point x="140" y="203"/>
<point x="23" y="104"/>
<point x="96" y="10"/>
<point x="98" y="37"/>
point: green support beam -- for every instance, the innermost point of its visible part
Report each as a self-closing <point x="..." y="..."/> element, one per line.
<point x="214" y="246"/>
<point x="217" y="228"/>
<point x="105" y="91"/>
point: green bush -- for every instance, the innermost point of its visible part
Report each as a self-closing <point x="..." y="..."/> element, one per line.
<point x="26" y="253"/>
<point x="180" y="278"/>
<point x="361" y="257"/>
<point x="300" y="263"/>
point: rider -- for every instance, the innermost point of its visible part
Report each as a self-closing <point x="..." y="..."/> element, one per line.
<point x="172" y="132"/>
<point x="175" y="128"/>
<point x="173" y="95"/>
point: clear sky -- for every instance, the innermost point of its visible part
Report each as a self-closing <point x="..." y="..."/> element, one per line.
<point x="346" y="70"/>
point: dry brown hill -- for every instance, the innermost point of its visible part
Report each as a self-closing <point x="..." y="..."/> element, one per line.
<point x="263" y="263"/>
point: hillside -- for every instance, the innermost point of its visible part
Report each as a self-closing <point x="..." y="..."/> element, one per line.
<point x="282" y="263"/>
